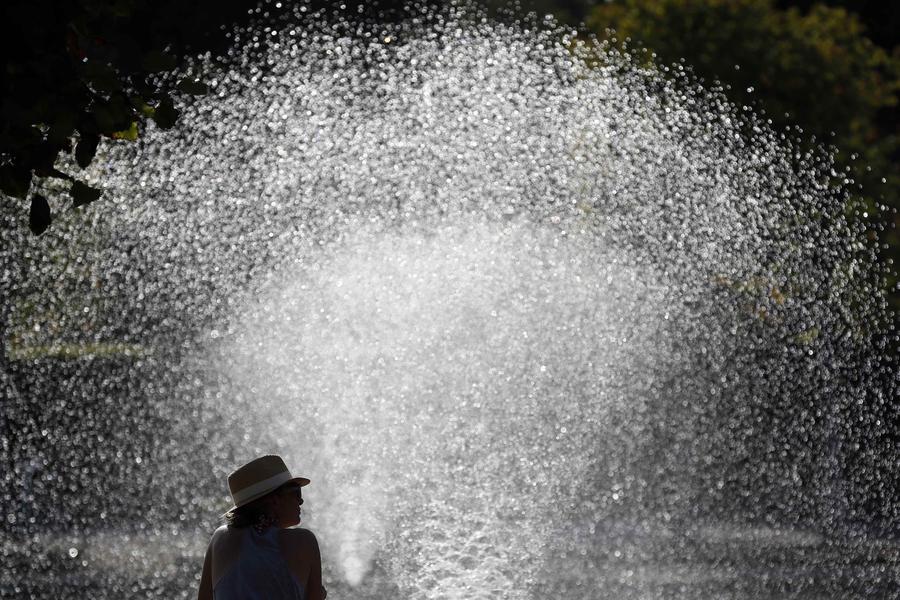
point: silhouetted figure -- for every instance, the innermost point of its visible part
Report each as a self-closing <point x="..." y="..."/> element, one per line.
<point x="256" y="555"/>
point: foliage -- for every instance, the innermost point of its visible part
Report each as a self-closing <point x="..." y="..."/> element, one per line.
<point x="814" y="69"/>
<point x="881" y="19"/>
<point x="80" y="71"/>
<point x="77" y="72"/>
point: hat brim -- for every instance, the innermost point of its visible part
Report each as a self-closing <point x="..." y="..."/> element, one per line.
<point x="301" y="481"/>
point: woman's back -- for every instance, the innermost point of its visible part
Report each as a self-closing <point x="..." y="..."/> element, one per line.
<point x="248" y="565"/>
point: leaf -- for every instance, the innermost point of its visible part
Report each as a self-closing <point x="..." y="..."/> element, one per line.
<point x="40" y="157"/>
<point x="156" y="62"/>
<point x="104" y="118"/>
<point x="130" y="134"/>
<point x="112" y="115"/>
<point x="54" y="172"/>
<point x="15" y="181"/>
<point x="86" y="124"/>
<point x="39" y="215"/>
<point x="86" y="149"/>
<point x="62" y="128"/>
<point x="83" y="194"/>
<point x="102" y="76"/>
<point x="165" y="114"/>
<point x="137" y="102"/>
<point x="193" y="86"/>
<point x="122" y="8"/>
<point x="807" y="336"/>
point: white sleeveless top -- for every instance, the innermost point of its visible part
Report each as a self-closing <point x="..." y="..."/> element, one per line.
<point x="259" y="571"/>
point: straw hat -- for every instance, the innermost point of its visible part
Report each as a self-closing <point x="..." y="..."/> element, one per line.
<point x="259" y="477"/>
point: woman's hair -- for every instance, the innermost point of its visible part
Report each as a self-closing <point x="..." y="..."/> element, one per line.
<point x="252" y="512"/>
<point x="246" y="515"/>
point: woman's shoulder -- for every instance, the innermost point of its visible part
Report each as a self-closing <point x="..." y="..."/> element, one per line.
<point x="222" y="530"/>
<point x="223" y="533"/>
<point x="300" y="537"/>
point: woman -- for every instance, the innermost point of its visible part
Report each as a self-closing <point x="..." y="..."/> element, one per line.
<point x="255" y="555"/>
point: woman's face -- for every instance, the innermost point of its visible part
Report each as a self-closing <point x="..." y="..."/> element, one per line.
<point x="285" y="506"/>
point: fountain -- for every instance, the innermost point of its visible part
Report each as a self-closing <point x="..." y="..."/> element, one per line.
<point x="535" y="319"/>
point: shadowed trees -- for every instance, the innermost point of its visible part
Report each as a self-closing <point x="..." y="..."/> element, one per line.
<point x="815" y="69"/>
<point x="77" y="72"/>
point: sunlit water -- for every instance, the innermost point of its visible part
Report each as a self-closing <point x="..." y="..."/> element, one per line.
<point x="534" y="319"/>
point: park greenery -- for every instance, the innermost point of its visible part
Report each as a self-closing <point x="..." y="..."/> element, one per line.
<point x="814" y="71"/>
<point x="79" y="72"/>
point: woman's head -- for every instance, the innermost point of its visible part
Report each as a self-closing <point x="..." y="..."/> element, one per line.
<point x="265" y="493"/>
<point x="279" y="508"/>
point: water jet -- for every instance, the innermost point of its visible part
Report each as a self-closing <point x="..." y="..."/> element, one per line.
<point x="536" y="319"/>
